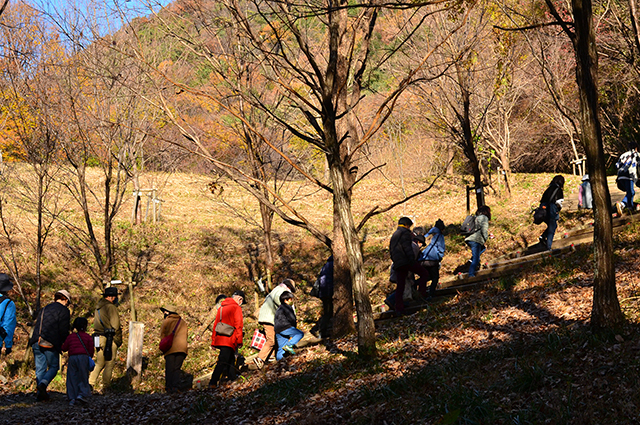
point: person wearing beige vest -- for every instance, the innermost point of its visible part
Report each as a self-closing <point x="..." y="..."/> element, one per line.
<point x="175" y="356"/>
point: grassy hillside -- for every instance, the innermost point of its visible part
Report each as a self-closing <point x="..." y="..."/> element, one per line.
<point x="516" y="352"/>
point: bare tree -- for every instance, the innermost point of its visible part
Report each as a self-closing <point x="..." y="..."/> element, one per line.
<point x="29" y="57"/>
<point x="319" y="56"/>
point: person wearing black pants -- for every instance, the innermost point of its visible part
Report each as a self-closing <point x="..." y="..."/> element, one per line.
<point x="226" y="361"/>
<point x="229" y="313"/>
<point x="431" y="256"/>
<point x="175" y="355"/>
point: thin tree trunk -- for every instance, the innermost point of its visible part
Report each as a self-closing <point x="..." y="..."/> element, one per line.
<point x="469" y="147"/>
<point x="606" y="308"/>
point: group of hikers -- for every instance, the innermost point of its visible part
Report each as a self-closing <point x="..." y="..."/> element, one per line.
<point x="51" y="336"/>
<point x="410" y="254"/>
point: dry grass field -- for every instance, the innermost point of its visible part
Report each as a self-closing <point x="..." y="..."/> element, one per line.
<point x="426" y="372"/>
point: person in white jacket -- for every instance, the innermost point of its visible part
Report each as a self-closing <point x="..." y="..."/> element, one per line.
<point x="266" y="317"/>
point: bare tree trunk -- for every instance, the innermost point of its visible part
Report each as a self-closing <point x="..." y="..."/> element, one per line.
<point x="634" y="23"/>
<point x="267" y="220"/>
<point x="606" y="308"/>
<point x="469" y="146"/>
<point x="342" y="286"/>
<point x="366" y="327"/>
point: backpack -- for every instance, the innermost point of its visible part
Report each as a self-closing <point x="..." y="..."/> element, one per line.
<point x="468" y="226"/>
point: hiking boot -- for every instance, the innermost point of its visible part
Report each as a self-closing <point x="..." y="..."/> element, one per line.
<point x="289" y="349"/>
<point x="41" y="392"/>
<point x="619" y="208"/>
<point x="258" y="362"/>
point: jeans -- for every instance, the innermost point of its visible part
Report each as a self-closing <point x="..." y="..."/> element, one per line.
<point x="47" y="364"/>
<point x="630" y="193"/>
<point x="552" y="225"/>
<point x="289" y="336"/>
<point x="476" y="250"/>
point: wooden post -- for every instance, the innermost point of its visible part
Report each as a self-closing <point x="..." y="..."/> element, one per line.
<point x="468" y="201"/>
<point x="133" y="306"/>
<point x="134" y="351"/>
<point x="154" y="200"/>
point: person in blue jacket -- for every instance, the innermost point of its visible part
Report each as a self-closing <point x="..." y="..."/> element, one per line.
<point x="431" y="256"/>
<point x="8" y="319"/>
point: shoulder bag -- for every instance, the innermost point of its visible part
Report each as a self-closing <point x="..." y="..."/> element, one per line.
<point x="92" y="364"/>
<point x="167" y="342"/>
<point x="41" y="341"/>
<point x="223" y="328"/>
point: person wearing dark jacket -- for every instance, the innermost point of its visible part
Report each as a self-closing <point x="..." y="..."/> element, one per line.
<point x="174" y="357"/>
<point x="552" y="200"/>
<point x="8" y="320"/>
<point x="80" y="348"/>
<point x="325" y="280"/>
<point x="49" y="333"/>
<point x="405" y="260"/>
<point x="106" y="325"/>
<point x="229" y="313"/>
<point x="285" y="326"/>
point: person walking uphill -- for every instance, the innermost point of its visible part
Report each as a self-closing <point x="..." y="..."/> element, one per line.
<point x="266" y="318"/>
<point x="432" y="255"/>
<point x="325" y="281"/>
<point x="8" y="319"/>
<point x="174" y="357"/>
<point x="227" y="341"/>
<point x="49" y="332"/>
<point x="627" y="167"/>
<point x="477" y="239"/>
<point x="106" y="325"/>
<point x="404" y="261"/>
<point x="552" y="200"/>
<point x="285" y="326"/>
<point x="80" y="348"/>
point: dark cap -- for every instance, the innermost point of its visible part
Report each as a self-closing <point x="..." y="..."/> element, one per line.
<point x="5" y="282"/>
<point x="240" y="294"/>
<point x="111" y="291"/>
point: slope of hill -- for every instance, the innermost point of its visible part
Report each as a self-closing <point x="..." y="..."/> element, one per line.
<point x="519" y="351"/>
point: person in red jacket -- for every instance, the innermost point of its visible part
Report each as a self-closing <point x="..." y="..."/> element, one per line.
<point x="80" y="348"/>
<point x="229" y="313"/>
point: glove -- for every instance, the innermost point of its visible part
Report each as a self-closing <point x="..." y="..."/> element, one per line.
<point x="7" y="351"/>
